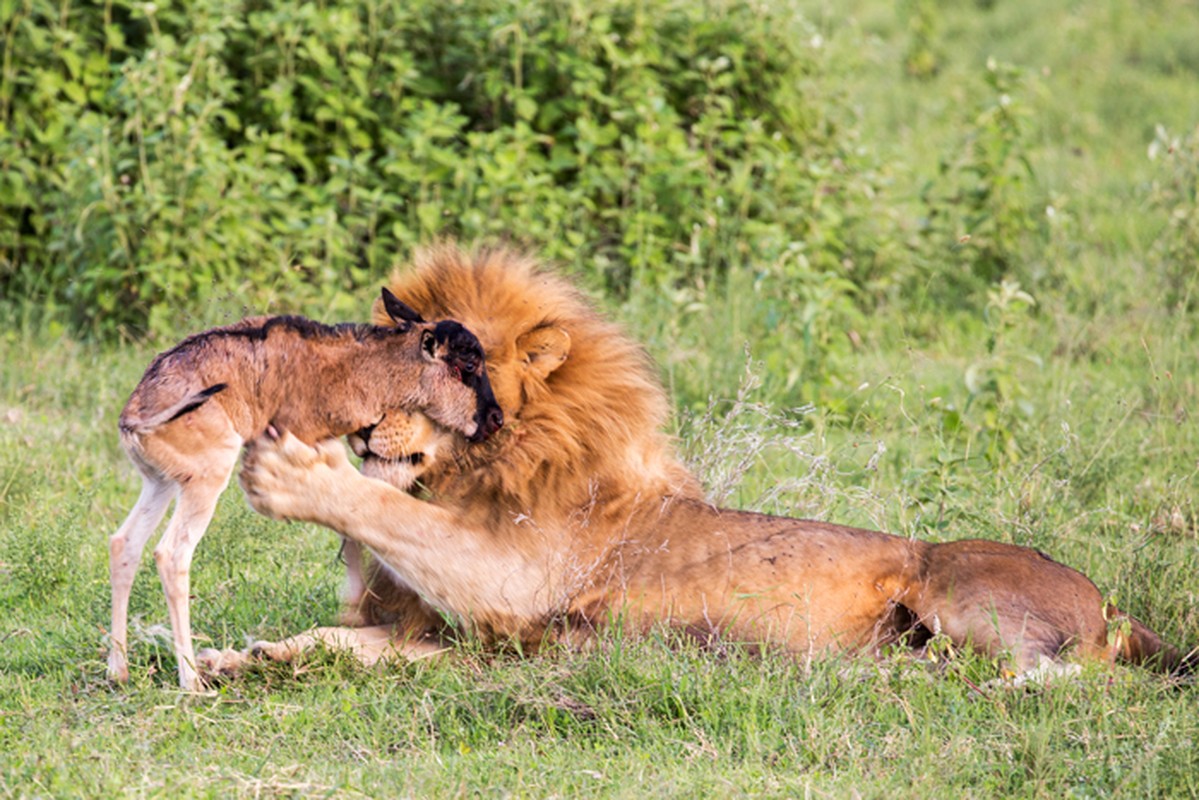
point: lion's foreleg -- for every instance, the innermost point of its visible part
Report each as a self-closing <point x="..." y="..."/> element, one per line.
<point x="367" y="645"/>
<point x="459" y="570"/>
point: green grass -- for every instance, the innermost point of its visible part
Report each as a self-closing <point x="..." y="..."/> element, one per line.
<point x="1086" y="449"/>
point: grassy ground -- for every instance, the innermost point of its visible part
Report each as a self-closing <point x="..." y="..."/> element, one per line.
<point x="1085" y="446"/>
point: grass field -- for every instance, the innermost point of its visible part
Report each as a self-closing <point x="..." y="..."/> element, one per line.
<point x="1067" y="423"/>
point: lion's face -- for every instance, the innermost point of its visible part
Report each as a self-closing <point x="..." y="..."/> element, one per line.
<point x="400" y="448"/>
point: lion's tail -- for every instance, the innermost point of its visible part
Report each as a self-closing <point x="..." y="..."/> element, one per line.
<point x="1133" y="641"/>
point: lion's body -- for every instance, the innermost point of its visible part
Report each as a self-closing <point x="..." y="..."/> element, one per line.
<point x="579" y="514"/>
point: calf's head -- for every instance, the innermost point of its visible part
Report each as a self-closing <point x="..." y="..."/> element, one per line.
<point x="450" y="345"/>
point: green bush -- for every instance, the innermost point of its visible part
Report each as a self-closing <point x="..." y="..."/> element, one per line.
<point x="154" y="156"/>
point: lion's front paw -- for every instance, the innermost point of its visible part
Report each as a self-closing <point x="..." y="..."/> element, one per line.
<point x="263" y="650"/>
<point x="284" y="478"/>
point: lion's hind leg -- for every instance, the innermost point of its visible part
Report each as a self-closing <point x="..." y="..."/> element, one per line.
<point x="1048" y="671"/>
<point x="1024" y="641"/>
<point x="1012" y="603"/>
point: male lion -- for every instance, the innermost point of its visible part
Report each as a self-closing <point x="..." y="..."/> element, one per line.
<point x="579" y="513"/>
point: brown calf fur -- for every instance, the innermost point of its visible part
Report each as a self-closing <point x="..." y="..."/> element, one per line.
<point x="580" y="513"/>
<point x="186" y="421"/>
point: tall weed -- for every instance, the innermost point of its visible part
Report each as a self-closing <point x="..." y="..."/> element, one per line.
<point x="979" y="216"/>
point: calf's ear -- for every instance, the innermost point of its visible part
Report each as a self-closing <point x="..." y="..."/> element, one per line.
<point x="544" y="349"/>
<point x="400" y="312"/>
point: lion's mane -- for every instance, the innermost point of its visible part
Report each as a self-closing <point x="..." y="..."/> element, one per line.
<point x="582" y="448"/>
<point x="571" y="437"/>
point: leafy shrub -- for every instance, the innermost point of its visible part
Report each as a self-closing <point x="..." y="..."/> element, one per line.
<point x="133" y="201"/>
<point x="155" y="156"/>
<point x="998" y="395"/>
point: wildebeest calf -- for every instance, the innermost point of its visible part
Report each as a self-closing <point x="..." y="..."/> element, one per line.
<point x="186" y="421"/>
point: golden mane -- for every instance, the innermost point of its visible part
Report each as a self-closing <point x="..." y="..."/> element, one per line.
<point x="584" y="418"/>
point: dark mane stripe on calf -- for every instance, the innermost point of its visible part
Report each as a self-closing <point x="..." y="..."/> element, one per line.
<point x="302" y="326"/>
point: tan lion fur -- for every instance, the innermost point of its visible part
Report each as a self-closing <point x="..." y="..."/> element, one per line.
<point x="579" y="514"/>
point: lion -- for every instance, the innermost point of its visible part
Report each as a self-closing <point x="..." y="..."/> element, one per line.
<point x="579" y="516"/>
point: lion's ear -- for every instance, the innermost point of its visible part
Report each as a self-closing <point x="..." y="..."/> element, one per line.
<point x="544" y="349"/>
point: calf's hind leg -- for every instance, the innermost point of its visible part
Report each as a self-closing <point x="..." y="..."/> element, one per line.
<point x="193" y="511"/>
<point x="124" y="554"/>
